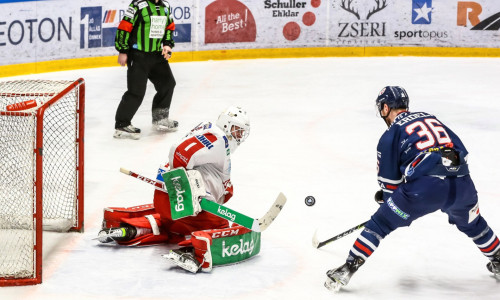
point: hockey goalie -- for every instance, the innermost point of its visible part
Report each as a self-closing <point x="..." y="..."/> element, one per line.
<point x="199" y="167"/>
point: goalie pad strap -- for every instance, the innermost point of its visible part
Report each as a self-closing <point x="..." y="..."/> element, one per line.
<point x="154" y="225"/>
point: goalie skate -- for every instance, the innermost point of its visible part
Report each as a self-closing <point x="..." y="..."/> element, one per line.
<point x="108" y="235"/>
<point x="184" y="258"/>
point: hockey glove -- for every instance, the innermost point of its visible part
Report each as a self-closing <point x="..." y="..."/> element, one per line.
<point x="379" y="197"/>
<point x="185" y="190"/>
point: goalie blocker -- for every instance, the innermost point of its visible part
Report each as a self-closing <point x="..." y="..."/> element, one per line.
<point x="185" y="190"/>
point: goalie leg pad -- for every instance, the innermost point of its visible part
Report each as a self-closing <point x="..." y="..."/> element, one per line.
<point x="143" y="217"/>
<point x="152" y="222"/>
<point x="147" y="224"/>
<point x="203" y="221"/>
<point x="146" y="240"/>
<point x="224" y="246"/>
<point x="113" y="216"/>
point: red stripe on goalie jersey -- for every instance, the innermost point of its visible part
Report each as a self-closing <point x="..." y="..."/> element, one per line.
<point x="188" y="148"/>
<point x="125" y="26"/>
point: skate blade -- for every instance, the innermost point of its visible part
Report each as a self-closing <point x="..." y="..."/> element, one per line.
<point x="162" y="128"/>
<point x="332" y="285"/>
<point x="105" y="238"/>
<point x="186" y="265"/>
<point x="126" y="135"/>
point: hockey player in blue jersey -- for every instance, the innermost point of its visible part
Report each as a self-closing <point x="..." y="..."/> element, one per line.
<point x="422" y="167"/>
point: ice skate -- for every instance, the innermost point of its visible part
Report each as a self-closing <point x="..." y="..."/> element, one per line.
<point x="127" y="132"/>
<point x="184" y="258"/>
<point x="339" y="277"/>
<point x="108" y="235"/>
<point x="494" y="265"/>
<point x="166" y="124"/>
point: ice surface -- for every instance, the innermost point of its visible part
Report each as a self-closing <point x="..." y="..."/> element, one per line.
<point x="314" y="132"/>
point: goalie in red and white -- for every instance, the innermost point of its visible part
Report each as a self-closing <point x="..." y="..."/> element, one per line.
<point x="205" y="154"/>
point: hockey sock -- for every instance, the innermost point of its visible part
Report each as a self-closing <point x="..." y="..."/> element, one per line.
<point x="487" y="242"/>
<point x="365" y="245"/>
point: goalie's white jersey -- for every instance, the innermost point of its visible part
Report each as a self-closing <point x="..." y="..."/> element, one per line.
<point x="206" y="149"/>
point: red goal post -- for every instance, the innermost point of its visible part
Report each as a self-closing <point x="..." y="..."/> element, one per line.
<point x="41" y="171"/>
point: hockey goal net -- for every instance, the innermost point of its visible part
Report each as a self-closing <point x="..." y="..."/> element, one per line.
<point x="41" y="171"/>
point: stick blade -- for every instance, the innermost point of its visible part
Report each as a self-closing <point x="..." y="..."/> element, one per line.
<point x="125" y="171"/>
<point x="273" y="212"/>
<point x="315" y="240"/>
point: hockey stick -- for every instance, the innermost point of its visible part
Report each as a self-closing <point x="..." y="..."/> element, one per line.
<point x="318" y="244"/>
<point x="224" y="212"/>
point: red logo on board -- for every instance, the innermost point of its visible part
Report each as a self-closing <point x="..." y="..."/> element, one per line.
<point x="229" y="21"/>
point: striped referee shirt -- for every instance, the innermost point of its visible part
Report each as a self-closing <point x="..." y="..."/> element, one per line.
<point x="146" y="26"/>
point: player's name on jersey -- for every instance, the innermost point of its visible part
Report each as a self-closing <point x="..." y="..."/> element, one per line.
<point x="412" y="117"/>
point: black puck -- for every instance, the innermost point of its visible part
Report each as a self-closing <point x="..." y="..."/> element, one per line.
<point x="310" y="200"/>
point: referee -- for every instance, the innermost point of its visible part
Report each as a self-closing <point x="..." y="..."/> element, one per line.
<point x="144" y="40"/>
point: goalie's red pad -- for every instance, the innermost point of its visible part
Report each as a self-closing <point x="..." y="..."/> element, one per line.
<point x="223" y="246"/>
<point x="142" y="216"/>
<point x="168" y="231"/>
<point x="113" y="216"/>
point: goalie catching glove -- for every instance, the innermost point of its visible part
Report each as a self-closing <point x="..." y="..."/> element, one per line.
<point x="185" y="190"/>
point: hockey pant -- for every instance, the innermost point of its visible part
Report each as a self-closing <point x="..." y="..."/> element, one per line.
<point x="141" y="67"/>
<point x="223" y="246"/>
<point x="455" y="196"/>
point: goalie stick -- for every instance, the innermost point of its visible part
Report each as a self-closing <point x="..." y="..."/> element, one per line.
<point x="317" y="244"/>
<point x="224" y="212"/>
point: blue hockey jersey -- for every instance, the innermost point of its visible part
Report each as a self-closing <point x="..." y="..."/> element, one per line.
<point x="402" y="150"/>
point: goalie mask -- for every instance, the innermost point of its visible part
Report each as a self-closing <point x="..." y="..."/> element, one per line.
<point x="235" y="124"/>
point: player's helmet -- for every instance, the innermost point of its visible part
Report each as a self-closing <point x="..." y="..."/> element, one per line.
<point x="235" y="124"/>
<point x="394" y="97"/>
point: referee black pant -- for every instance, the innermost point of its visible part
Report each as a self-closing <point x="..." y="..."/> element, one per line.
<point x="141" y="67"/>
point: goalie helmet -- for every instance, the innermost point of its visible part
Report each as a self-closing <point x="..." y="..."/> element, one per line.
<point x="235" y="124"/>
<point x="394" y="97"/>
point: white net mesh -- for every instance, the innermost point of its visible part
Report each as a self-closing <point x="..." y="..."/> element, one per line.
<point x="18" y="132"/>
<point x="16" y="195"/>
